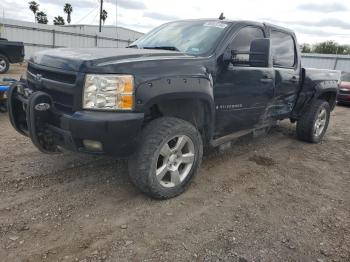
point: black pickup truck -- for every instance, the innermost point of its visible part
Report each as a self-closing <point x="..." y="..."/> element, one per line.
<point x="183" y="86"/>
<point x="10" y="52"/>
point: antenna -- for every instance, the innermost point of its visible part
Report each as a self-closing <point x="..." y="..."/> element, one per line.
<point x="116" y="20"/>
<point x="221" y="17"/>
<point x="2" y="25"/>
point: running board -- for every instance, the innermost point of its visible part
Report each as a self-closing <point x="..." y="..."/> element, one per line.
<point x="230" y="137"/>
<point x="224" y="139"/>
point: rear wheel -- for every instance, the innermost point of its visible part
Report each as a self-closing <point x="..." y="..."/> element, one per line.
<point x="4" y="64"/>
<point x="313" y="124"/>
<point x="167" y="159"/>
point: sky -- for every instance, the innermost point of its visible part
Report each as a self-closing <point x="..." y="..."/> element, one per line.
<point x="313" y="21"/>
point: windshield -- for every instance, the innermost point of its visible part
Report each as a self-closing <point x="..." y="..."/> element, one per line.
<point x="191" y="37"/>
<point x="345" y="77"/>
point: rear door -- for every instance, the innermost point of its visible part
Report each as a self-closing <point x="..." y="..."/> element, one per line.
<point x="287" y="71"/>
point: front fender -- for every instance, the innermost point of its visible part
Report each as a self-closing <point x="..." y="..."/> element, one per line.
<point x="176" y="87"/>
<point x="168" y="88"/>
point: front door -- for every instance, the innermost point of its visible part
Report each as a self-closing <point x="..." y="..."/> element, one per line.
<point x="242" y="93"/>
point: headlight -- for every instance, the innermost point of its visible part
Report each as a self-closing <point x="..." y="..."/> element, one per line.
<point x="108" y="92"/>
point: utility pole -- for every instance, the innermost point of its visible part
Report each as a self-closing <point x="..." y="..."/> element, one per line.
<point x="100" y="15"/>
<point x="116" y="19"/>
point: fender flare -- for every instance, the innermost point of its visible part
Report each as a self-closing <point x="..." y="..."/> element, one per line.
<point x="198" y="88"/>
<point x="309" y="94"/>
<point x="327" y="87"/>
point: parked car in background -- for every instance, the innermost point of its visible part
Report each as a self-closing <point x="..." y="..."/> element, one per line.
<point x="10" y="52"/>
<point x="344" y="89"/>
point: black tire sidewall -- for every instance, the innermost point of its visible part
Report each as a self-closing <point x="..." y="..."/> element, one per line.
<point x="142" y="165"/>
<point x="198" y="155"/>
<point x="306" y="123"/>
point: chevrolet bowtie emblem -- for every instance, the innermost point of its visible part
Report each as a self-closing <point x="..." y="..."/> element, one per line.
<point x="42" y="107"/>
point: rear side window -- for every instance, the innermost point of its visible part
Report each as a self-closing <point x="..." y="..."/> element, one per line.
<point x="283" y="49"/>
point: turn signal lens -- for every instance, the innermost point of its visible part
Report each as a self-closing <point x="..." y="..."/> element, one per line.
<point x="126" y="102"/>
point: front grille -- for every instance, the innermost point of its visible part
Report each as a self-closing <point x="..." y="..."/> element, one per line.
<point x="60" y="85"/>
<point x="53" y="75"/>
<point x="62" y="101"/>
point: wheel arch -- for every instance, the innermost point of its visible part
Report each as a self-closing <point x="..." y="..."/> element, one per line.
<point x="199" y="111"/>
<point x="318" y="90"/>
<point x="329" y="95"/>
<point x="188" y="97"/>
<point x="3" y="53"/>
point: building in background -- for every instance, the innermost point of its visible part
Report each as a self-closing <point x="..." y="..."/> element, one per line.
<point x="324" y="61"/>
<point x="38" y="37"/>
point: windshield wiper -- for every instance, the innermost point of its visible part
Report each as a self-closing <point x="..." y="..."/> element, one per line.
<point x="171" y="48"/>
<point x="132" y="46"/>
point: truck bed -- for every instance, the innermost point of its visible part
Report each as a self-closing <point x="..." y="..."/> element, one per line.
<point x="313" y="76"/>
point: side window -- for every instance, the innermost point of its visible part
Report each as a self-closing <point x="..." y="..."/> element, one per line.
<point x="245" y="36"/>
<point x="283" y="49"/>
<point x="242" y="41"/>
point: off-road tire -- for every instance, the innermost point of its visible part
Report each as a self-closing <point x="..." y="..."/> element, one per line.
<point x="7" y="64"/>
<point x="306" y="124"/>
<point x="143" y="164"/>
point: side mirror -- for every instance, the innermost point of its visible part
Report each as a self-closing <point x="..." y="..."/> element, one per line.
<point x="259" y="55"/>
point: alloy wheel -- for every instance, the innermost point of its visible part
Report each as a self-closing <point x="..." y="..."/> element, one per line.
<point x="2" y="65"/>
<point x="175" y="161"/>
<point x="320" y="122"/>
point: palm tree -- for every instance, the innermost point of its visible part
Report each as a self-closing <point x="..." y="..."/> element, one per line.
<point x="58" y="20"/>
<point x="68" y="9"/>
<point x="104" y="16"/>
<point x="41" y="17"/>
<point x="34" y="7"/>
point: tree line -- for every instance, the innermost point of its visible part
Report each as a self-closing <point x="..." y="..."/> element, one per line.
<point x="327" y="47"/>
<point x="41" y="17"/>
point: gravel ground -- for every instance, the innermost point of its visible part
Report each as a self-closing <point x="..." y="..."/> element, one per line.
<point x="272" y="198"/>
<point x="15" y="71"/>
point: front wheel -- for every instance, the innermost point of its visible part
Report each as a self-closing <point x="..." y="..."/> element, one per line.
<point x="313" y="124"/>
<point x="168" y="157"/>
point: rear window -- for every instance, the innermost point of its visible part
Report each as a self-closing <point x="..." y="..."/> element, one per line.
<point x="283" y="49"/>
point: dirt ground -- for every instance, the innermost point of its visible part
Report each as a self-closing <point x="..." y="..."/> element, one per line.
<point x="15" y="71"/>
<point x="271" y="198"/>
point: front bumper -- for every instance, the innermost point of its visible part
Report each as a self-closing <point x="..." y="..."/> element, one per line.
<point x="50" y="129"/>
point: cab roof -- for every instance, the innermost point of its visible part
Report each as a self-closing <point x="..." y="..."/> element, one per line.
<point x="264" y="24"/>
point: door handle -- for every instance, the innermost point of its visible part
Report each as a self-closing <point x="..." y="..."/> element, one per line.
<point x="266" y="80"/>
<point x="294" y="79"/>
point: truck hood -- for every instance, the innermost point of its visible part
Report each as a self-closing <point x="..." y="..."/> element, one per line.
<point x="91" y="59"/>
